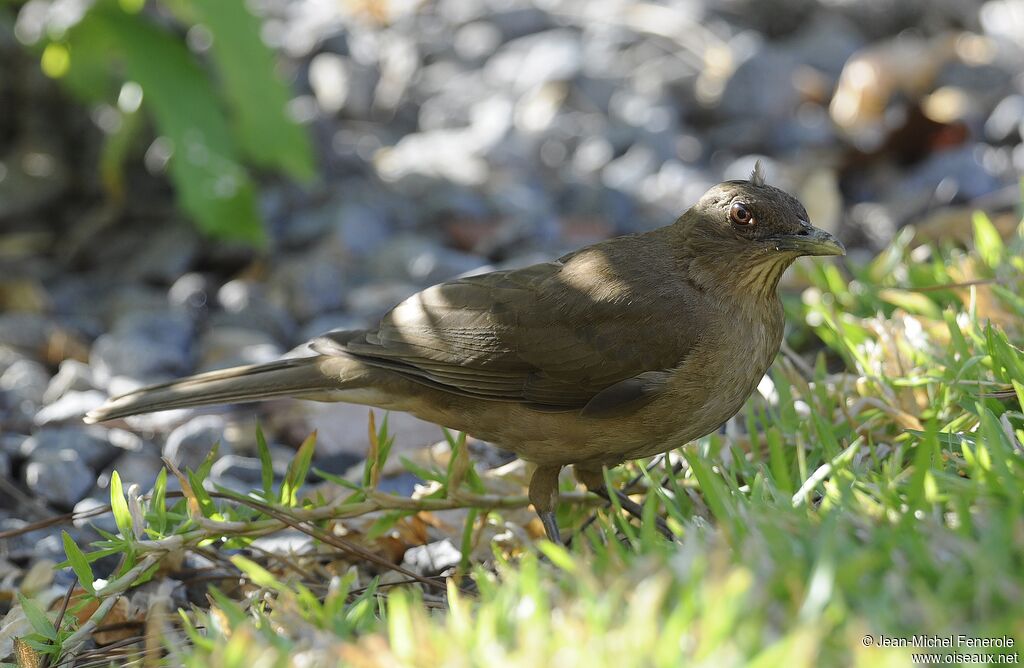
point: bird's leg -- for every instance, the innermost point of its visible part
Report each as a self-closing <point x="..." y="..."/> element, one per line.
<point x="544" y="497"/>
<point x="593" y="480"/>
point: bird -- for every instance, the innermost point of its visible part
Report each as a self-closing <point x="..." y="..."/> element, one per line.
<point x="624" y="349"/>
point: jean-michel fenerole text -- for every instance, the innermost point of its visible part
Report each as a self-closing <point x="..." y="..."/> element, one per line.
<point x="959" y="641"/>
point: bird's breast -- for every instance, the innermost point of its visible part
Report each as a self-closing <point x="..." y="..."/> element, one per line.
<point x="714" y="381"/>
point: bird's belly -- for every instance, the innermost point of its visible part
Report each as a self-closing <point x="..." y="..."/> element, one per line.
<point x="701" y="395"/>
<point x="701" y="399"/>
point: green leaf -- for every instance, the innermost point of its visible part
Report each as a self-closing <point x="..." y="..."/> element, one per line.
<point x="715" y="493"/>
<point x="257" y="97"/>
<point x="211" y="184"/>
<point x="987" y="241"/>
<point x="266" y="464"/>
<point x="89" y="77"/>
<point x="158" y="503"/>
<point x="203" y="498"/>
<point x="119" y="506"/>
<point x="466" y="545"/>
<point x="259" y="575"/>
<point x="117" y="147"/>
<point x="203" y="472"/>
<point x="911" y="302"/>
<point x="386" y="523"/>
<point x="558" y="555"/>
<point x="297" y="470"/>
<point x="35" y="615"/>
<point x="79" y="563"/>
<point x="777" y="462"/>
<point x="421" y="471"/>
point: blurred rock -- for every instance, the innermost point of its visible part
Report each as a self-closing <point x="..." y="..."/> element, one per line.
<point x="421" y="261"/>
<point x="167" y="252"/>
<point x="31" y="546"/>
<point x="140" y="468"/>
<point x="26" y="331"/>
<point x="310" y="283"/>
<point x="35" y="174"/>
<point x="766" y="76"/>
<point x="27" y="379"/>
<point x="958" y="174"/>
<point x="330" y="322"/>
<point x="235" y="469"/>
<point x="188" y="445"/>
<point x="342" y="428"/>
<point x="527" y="62"/>
<point x="1004" y="18"/>
<point x="820" y="195"/>
<point x="246" y="306"/>
<point x="150" y="346"/>
<point x="59" y="477"/>
<point x="328" y="77"/>
<point x="91" y="444"/>
<point x="223" y="347"/>
<point x="1006" y="122"/>
<point x="904" y="65"/>
<point x="71" y="376"/>
<point x="71" y="407"/>
<point x="372" y="301"/>
<point x="432" y="559"/>
<point x="91" y="512"/>
<point x="361" y="228"/>
<point x="192" y="292"/>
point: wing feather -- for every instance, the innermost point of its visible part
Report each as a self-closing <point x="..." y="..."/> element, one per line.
<point x="551" y="335"/>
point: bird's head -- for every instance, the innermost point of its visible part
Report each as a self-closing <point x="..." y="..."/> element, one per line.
<point x="752" y="217"/>
<point x="752" y="231"/>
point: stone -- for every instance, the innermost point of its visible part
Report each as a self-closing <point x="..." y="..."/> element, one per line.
<point x="422" y="261"/>
<point x="308" y="284"/>
<point x="101" y="520"/>
<point x="375" y="299"/>
<point x="169" y="250"/>
<point x="91" y="444"/>
<point x="223" y="347"/>
<point x="189" y="444"/>
<point x="527" y="62"/>
<point x="72" y="375"/>
<point x="192" y="292"/>
<point x="27" y="379"/>
<point x="329" y="322"/>
<point x="432" y="558"/>
<point x="341" y="427"/>
<point x="246" y="306"/>
<point x="59" y="477"/>
<point x="244" y="469"/>
<point x="149" y="346"/>
<point x="140" y="468"/>
<point x="1006" y="122"/>
<point x="26" y="331"/>
<point x="72" y="406"/>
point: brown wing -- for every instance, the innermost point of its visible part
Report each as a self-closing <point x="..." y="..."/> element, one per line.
<point x="551" y="335"/>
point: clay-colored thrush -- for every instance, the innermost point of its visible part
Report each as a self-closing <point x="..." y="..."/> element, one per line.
<point x="624" y="349"/>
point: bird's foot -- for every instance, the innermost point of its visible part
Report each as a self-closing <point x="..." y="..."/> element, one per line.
<point x="550" y="526"/>
<point x="593" y="480"/>
<point x="637" y="511"/>
<point x="544" y="497"/>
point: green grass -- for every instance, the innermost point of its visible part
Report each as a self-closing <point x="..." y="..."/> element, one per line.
<point x="879" y="491"/>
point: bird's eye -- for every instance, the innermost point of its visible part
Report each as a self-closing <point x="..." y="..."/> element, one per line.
<point x="740" y="214"/>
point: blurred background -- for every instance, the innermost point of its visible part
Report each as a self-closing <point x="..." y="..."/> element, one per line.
<point x="192" y="184"/>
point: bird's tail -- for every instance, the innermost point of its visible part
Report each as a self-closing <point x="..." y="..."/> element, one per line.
<point x="288" y="377"/>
